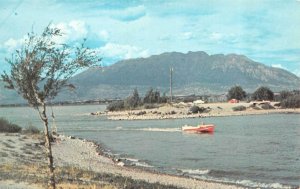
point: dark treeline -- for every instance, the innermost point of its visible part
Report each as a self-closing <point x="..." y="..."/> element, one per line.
<point x="151" y="98"/>
<point x="287" y="99"/>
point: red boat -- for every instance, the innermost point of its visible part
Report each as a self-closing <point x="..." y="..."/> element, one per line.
<point x="204" y="128"/>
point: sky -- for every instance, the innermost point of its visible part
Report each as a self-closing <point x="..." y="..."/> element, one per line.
<point x="267" y="31"/>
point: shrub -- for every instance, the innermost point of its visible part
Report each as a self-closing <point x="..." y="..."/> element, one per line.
<point x="236" y="92"/>
<point x="31" y="130"/>
<point x="7" y="127"/>
<point x="152" y="96"/>
<point x="196" y="109"/>
<point x="150" y="106"/>
<point x="141" y="113"/>
<point x="239" y="108"/>
<point x="133" y="100"/>
<point x="267" y="106"/>
<point x="263" y="93"/>
<point x="115" y="106"/>
<point x="277" y="104"/>
<point x="291" y="102"/>
<point x="172" y="112"/>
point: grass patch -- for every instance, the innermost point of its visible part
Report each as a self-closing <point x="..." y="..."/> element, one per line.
<point x="30" y="129"/>
<point x="7" y="127"/>
<point x="74" y="178"/>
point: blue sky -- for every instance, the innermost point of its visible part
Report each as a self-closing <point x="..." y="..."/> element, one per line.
<point x="265" y="31"/>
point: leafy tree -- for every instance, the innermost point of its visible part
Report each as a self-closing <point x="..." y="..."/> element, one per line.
<point x="291" y="102"/>
<point x="116" y="106"/>
<point x="152" y="96"/>
<point x="285" y="94"/>
<point x="236" y="92"/>
<point x="133" y="100"/>
<point x="40" y="69"/>
<point x="164" y="98"/>
<point x="263" y="93"/>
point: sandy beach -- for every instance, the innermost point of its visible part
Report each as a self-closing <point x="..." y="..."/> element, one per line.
<point x="75" y="153"/>
<point x="181" y="111"/>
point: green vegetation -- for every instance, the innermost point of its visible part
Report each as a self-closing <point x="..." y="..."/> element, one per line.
<point x="291" y="102"/>
<point x="266" y="106"/>
<point x="40" y="69"/>
<point x="7" y="127"/>
<point x="30" y="129"/>
<point x="116" y="106"/>
<point x="152" y="96"/>
<point x="196" y="109"/>
<point x="263" y="93"/>
<point x="133" y="100"/>
<point x="150" y="101"/>
<point x="236" y="92"/>
<point x="150" y="106"/>
<point x="74" y="178"/>
<point x="239" y="108"/>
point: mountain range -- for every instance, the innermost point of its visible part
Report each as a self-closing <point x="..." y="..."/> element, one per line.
<point x="193" y="73"/>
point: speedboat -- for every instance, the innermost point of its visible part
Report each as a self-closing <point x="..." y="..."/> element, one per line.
<point x="203" y="128"/>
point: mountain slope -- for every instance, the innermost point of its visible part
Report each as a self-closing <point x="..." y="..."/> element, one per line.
<point x="194" y="72"/>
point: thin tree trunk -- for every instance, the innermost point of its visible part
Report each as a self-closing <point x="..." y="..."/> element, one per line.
<point x="48" y="148"/>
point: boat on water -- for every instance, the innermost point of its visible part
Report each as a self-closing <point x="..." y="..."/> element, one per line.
<point x="203" y="128"/>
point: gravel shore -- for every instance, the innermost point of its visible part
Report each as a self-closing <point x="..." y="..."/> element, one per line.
<point x="20" y="151"/>
<point x="83" y="154"/>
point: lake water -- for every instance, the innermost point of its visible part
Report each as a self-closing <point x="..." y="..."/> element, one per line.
<point x="256" y="151"/>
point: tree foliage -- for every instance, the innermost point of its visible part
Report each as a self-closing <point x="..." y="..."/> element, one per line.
<point x="263" y="93"/>
<point x="291" y="102"/>
<point x="133" y="100"/>
<point x="116" y="106"/>
<point x="152" y="96"/>
<point x="40" y="69"/>
<point x="236" y="92"/>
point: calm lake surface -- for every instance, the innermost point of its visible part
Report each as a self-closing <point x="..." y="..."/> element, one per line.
<point x="255" y="151"/>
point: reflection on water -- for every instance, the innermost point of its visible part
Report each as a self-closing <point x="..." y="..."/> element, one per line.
<point x="244" y="149"/>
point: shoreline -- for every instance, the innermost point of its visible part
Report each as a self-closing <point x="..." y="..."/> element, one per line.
<point x="87" y="157"/>
<point x="117" y="167"/>
<point x="182" y="112"/>
<point x="109" y="164"/>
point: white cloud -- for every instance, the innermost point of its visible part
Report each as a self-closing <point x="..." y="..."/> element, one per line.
<point x="187" y="35"/>
<point x="122" y="51"/>
<point x="104" y="35"/>
<point x="129" y="14"/>
<point x="12" y="44"/>
<point x="72" y="31"/>
<point x="79" y="27"/>
<point x="216" y="36"/>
